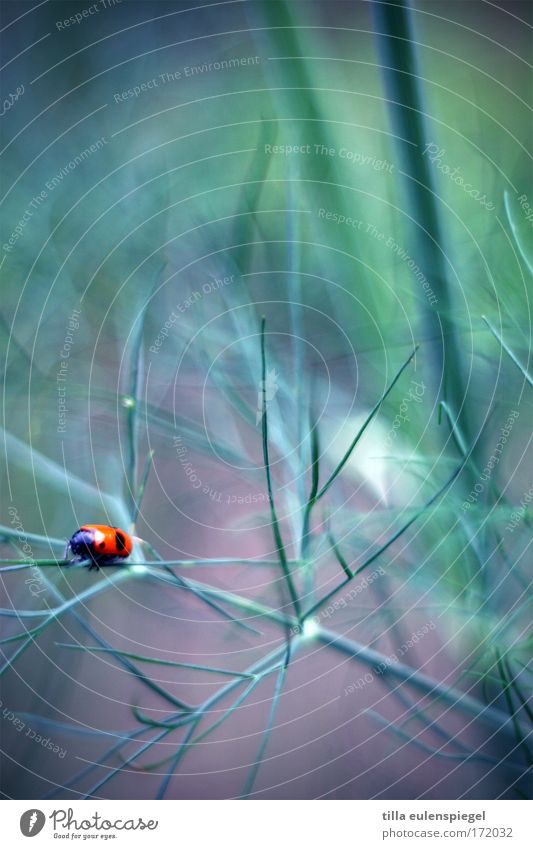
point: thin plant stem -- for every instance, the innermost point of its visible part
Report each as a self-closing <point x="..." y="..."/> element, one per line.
<point x="521" y="698"/>
<point x="240" y="602"/>
<point x="159" y="661"/>
<point x="520" y="738"/>
<point x="385" y="545"/>
<point x="396" y="45"/>
<point x="197" y="590"/>
<point x="275" y="524"/>
<point x="315" y="477"/>
<point x="508" y="351"/>
<point x="9" y="533"/>
<point x="163" y="787"/>
<point x="197" y="713"/>
<point x="132" y="401"/>
<point x="115" y="770"/>
<point x="360" y="432"/>
<point x="419" y="680"/>
<point x="280" y="680"/>
<point x="79" y="776"/>
<point x="17" y="564"/>
<point x="54" y="612"/>
<point x="126" y="663"/>
<point x="515" y="232"/>
<point x="337" y="552"/>
<point x="140" y="493"/>
<point x="463" y="756"/>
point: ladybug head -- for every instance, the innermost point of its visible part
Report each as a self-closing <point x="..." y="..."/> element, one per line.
<point x="81" y="542"/>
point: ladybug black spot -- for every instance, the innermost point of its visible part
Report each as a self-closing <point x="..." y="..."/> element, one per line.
<point x="101" y="545"/>
<point x="120" y="541"/>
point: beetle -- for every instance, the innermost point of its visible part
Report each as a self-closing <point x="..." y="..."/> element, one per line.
<point x="100" y="544"/>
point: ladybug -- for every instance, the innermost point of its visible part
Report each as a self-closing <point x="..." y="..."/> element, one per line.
<point x="101" y="544"/>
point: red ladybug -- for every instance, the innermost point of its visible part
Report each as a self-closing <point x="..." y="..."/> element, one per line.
<point x="100" y="544"/>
